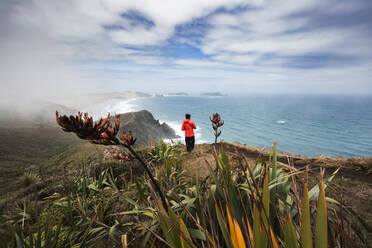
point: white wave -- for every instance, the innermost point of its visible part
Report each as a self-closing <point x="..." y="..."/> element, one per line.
<point x="281" y="121"/>
<point x="177" y="129"/>
<point x="175" y="125"/>
<point x="198" y="136"/>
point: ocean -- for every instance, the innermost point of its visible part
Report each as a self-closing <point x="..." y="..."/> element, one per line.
<point x="309" y="125"/>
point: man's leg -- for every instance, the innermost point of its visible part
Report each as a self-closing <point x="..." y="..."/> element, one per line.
<point x="188" y="144"/>
<point x="192" y="142"/>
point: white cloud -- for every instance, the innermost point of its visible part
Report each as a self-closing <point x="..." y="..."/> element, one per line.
<point x="81" y="19"/>
<point x="268" y="30"/>
<point x="139" y="37"/>
<point x="196" y="63"/>
<point x="290" y="44"/>
<point x="251" y="45"/>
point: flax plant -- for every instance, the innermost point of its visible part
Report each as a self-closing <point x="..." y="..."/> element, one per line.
<point x="216" y="123"/>
<point x="235" y="208"/>
<point x="103" y="133"/>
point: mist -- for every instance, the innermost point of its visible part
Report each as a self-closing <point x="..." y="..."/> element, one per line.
<point x="32" y="64"/>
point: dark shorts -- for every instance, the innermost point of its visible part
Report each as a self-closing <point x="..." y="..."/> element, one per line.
<point x="190" y="141"/>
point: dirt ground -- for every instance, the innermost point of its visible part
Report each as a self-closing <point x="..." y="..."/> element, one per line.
<point x="359" y="169"/>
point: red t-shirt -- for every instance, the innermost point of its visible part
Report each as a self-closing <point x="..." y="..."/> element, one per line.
<point x="188" y="126"/>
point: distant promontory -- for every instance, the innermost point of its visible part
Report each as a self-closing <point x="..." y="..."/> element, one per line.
<point x="177" y="94"/>
<point x="213" y="94"/>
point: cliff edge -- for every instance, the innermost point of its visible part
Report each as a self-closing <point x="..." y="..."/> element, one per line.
<point x="145" y="127"/>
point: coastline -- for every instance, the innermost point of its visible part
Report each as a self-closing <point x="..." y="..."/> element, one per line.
<point x="299" y="126"/>
<point x="255" y="131"/>
<point x="127" y="104"/>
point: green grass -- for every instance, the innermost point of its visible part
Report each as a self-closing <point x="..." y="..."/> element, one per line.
<point x="29" y="178"/>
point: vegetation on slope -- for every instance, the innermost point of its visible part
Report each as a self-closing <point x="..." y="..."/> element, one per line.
<point x="237" y="204"/>
<point x="117" y="205"/>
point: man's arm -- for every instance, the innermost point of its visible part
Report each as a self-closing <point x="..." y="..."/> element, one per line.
<point x="193" y="125"/>
<point x="183" y="126"/>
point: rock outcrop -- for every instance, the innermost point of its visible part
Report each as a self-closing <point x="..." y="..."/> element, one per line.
<point x="145" y="127"/>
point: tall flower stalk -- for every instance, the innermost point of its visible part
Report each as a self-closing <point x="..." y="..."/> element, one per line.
<point x="103" y="133"/>
<point x="216" y="123"/>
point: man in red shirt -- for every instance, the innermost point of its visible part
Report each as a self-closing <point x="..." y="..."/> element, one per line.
<point x="188" y="126"/>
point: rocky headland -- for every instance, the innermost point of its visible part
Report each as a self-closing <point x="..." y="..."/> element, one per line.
<point x="145" y="127"/>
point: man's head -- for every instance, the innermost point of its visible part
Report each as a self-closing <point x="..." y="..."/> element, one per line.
<point x="188" y="116"/>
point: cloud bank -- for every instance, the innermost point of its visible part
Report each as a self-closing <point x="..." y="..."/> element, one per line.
<point x="51" y="47"/>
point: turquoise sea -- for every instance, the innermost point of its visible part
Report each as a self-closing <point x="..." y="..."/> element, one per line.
<point x="308" y="125"/>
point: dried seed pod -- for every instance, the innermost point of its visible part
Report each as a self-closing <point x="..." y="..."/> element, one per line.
<point x="216" y="118"/>
<point x="117" y="122"/>
<point x="121" y="156"/>
<point x="128" y="139"/>
<point x="79" y="116"/>
<point x="124" y="157"/>
<point x="100" y="132"/>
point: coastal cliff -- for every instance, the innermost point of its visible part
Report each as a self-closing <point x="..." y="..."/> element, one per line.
<point x="145" y="127"/>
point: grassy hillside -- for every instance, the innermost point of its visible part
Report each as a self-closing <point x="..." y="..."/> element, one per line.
<point x="27" y="149"/>
<point x="108" y="201"/>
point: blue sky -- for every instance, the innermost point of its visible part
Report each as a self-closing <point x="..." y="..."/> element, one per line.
<point x="234" y="46"/>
